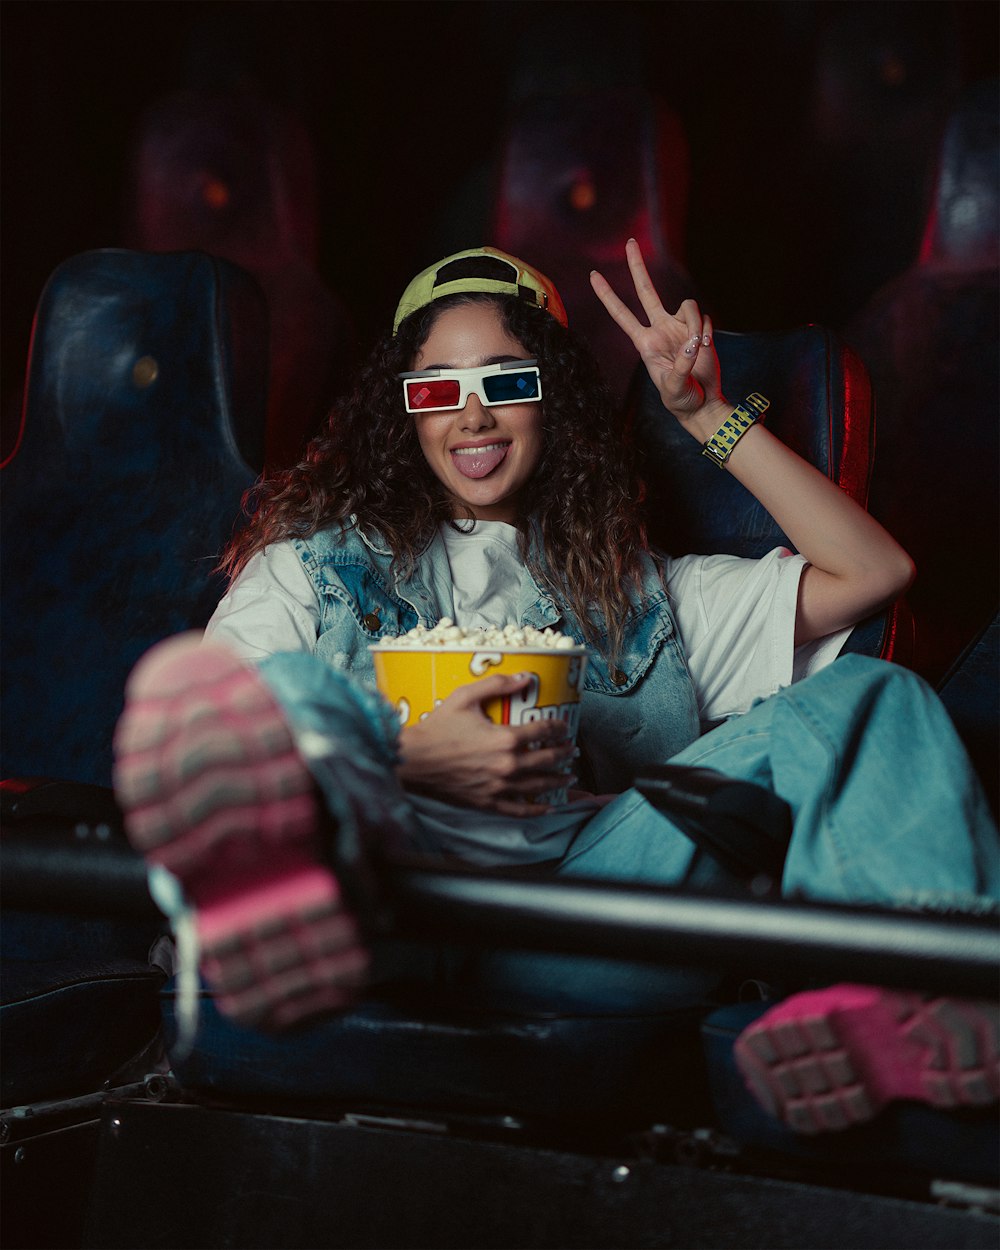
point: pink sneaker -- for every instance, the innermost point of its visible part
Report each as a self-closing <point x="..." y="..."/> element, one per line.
<point x="213" y="789"/>
<point x="827" y="1059"/>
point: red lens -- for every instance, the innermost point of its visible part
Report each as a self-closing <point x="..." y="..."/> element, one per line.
<point x="432" y="393"/>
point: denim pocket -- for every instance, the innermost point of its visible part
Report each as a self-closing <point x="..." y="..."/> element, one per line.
<point x="376" y="611"/>
<point x="645" y="634"/>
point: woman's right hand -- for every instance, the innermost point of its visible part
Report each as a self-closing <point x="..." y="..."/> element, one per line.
<point x="457" y="754"/>
<point x="676" y="348"/>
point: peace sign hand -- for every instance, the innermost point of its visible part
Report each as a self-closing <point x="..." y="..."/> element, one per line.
<point x="676" y="348"/>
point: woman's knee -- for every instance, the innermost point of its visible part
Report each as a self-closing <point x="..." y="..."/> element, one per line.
<point x="881" y="678"/>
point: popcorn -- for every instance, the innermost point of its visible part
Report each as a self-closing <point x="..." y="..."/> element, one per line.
<point x="493" y="637"/>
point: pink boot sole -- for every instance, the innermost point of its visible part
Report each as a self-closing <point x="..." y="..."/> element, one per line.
<point x="827" y="1059"/>
<point x="213" y="789"/>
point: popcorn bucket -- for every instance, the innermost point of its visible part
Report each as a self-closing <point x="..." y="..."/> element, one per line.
<point x="416" y="680"/>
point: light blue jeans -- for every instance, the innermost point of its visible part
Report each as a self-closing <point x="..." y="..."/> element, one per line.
<point x="886" y="809"/>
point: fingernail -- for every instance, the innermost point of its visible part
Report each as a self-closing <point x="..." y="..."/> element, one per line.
<point x="706" y="341"/>
<point x="688" y="351"/>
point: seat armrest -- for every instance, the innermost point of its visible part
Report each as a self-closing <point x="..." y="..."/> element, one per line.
<point x="888" y="635"/>
<point x="610" y="919"/>
<point x="33" y="798"/>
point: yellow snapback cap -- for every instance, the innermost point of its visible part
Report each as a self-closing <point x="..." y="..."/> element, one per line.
<point x="480" y="270"/>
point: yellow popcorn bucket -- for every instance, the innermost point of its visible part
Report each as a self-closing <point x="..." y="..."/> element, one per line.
<point x="416" y="680"/>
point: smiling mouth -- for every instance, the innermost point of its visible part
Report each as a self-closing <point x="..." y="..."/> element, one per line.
<point x="479" y="462"/>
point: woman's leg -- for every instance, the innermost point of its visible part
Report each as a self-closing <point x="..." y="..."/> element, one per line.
<point x="887" y="809"/>
<point x="628" y="841"/>
<point x="348" y="739"/>
<point x="886" y="805"/>
<point x="219" y="770"/>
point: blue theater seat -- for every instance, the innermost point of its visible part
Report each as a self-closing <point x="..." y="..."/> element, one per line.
<point x="143" y="425"/>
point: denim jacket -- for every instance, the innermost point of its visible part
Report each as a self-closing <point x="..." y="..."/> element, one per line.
<point x="640" y="711"/>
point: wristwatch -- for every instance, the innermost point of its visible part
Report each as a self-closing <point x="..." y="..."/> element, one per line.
<point x="748" y="413"/>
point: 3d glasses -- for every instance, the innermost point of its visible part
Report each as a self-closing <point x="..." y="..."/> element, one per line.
<point x="443" y="390"/>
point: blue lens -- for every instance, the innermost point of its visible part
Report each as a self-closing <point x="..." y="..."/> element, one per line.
<point x="501" y="388"/>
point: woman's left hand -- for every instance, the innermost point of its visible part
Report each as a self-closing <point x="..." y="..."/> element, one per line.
<point x="676" y="348"/>
<point x="854" y="567"/>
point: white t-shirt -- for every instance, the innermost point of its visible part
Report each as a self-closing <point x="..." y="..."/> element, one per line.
<point x="736" y="616"/>
<point x="486" y="572"/>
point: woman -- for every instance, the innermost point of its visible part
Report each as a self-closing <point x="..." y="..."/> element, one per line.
<point x="494" y="487"/>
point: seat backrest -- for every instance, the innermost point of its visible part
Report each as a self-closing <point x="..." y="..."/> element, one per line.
<point x="931" y="342"/>
<point x="142" y="427"/>
<point x="882" y="78"/>
<point x="589" y="156"/>
<point x="961" y="231"/>
<point x="234" y="174"/>
<point x="821" y="407"/>
<point x="578" y="176"/>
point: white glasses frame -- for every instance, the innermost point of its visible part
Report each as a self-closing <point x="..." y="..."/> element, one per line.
<point x="470" y="380"/>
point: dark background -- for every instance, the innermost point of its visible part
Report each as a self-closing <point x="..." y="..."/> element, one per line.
<point x="788" y="220"/>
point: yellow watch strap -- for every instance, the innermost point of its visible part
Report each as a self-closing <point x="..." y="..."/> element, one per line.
<point x="719" y="447"/>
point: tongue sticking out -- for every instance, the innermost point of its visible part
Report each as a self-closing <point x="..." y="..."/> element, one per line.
<point x="479" y="461"/>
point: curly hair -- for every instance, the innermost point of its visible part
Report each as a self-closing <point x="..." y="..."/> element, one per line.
<point x="366" y="468"/>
